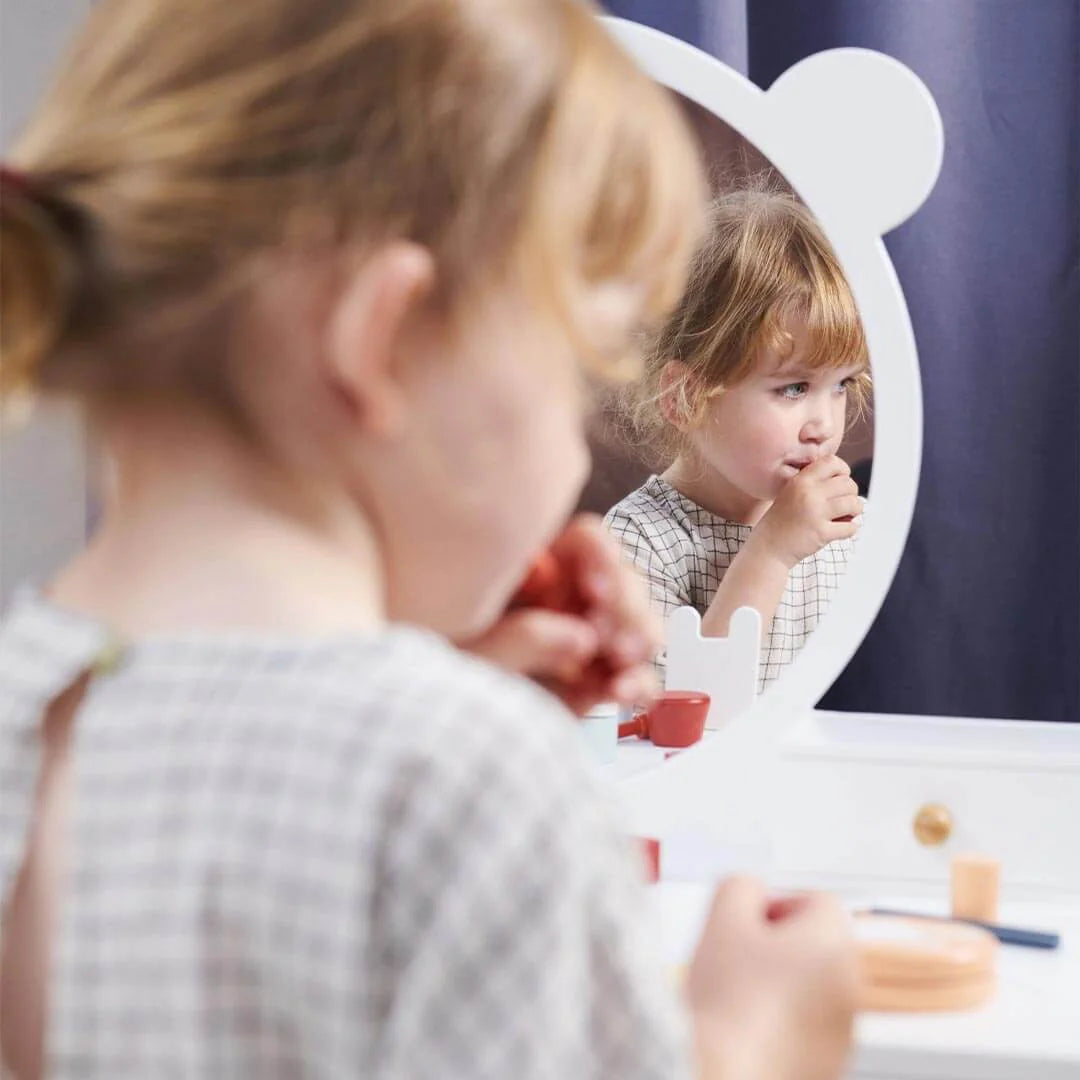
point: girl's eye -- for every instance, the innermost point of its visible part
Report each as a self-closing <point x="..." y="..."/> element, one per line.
<point x="793" y="391"/>
<point x="845" y="385"/>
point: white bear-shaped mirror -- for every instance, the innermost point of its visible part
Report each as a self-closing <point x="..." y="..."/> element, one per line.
<point x="859" y="138"/>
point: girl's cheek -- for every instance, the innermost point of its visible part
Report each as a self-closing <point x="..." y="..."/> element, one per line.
<point x="840" y="419"/>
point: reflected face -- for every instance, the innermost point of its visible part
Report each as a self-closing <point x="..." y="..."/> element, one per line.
<point x="758" y="434"/>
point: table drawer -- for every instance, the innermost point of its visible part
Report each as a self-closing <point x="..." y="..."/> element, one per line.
<point x="849" y="819"/>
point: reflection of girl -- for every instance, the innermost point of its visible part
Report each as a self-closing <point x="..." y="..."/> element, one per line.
<point x="321" y="272"/>
<point x="746" y="391"/>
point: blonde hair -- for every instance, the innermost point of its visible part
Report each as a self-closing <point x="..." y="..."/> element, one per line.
<point x="183" y="141"/>
<point x="763" y="262"/>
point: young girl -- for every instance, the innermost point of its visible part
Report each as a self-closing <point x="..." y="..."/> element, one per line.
<point x="322" y="276"/>
<point x="746" y="393"/>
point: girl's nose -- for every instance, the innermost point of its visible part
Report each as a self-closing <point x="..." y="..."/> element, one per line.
<point x="817" y="429"/>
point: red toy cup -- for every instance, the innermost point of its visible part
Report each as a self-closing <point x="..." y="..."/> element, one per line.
<point x="677" y="719"/>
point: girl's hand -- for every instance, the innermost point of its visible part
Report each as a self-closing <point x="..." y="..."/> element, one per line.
<point x="773" y="986"/>
<point x="819" y="505"/>
<point x="580" y="624"/>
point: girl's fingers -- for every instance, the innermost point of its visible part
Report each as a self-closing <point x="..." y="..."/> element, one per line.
<point x="636" y="686"/>
<point x="630" y="646"/>
<point x="824" y="918"/>
<point x="538" y="642"/>
<point x="845" y="506"/>
<point x="595" y="685"/>
<point x="827" y="468"/>
<point x="842" y="530"/>
<point x="617" y="598"/>
<point x="838" y="487"/>
<point x="739" y="903"/>
<point x="614" y="598"/>
<point x="783" y="907"/>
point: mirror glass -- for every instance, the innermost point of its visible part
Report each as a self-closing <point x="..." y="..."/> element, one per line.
<point x="684" y="517"/>
<point x="858" y="139"/>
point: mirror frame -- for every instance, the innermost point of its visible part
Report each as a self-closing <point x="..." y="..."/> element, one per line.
<point x="862" y="162"/>
<point x="822" y="799"/>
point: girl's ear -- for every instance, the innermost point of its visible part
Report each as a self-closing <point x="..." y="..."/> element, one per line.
<point x="366" y="327"/>
<point x="675" y="390"/>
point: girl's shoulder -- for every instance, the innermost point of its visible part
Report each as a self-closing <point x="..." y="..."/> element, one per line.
<point x="337" y="731"/>
<point x="400" y="689"/>
<point x="647" y="500"/>
<point x="669" y="522"/>
<point x="651" y="512"/>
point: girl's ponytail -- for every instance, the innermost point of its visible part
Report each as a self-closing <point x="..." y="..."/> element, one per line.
<point x="42" y="277"/>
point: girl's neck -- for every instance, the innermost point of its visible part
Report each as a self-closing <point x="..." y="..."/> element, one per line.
<point x="712" y="491"/>
<point x="201" y="533"/>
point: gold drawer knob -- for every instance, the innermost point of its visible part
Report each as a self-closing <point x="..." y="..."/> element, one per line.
<point x="933" y="824"/>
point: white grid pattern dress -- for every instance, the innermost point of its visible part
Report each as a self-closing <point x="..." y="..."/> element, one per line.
<point x="684" y="551"/>
<point x="350" y="857"/>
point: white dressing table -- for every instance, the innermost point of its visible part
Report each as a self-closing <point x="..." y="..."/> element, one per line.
<point x="844" y="791"/>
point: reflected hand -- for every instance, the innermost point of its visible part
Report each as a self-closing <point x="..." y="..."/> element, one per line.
<point x="819" y="505"/>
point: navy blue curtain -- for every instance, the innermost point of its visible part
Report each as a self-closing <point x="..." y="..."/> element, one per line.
<point x="983" y="618"/>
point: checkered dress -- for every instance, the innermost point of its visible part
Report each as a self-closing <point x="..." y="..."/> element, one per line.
<point x="361" y="856"/>
<point x="684" y="551"/>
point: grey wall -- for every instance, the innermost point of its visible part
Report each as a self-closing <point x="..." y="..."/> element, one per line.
<point x="42" y="463"/>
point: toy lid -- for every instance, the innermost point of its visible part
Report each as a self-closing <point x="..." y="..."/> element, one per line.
<point x="923" y="952"/>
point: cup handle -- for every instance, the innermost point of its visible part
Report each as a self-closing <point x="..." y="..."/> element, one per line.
<point x="638" y="725"/>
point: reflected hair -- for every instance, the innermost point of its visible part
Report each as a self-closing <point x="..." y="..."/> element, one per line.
<point x="763" y="264"/>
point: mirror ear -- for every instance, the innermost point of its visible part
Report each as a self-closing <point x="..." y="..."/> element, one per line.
<point x="865" y="131"/>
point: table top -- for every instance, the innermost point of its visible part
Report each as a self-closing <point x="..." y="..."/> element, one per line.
<point x="1030" y="1030"/>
